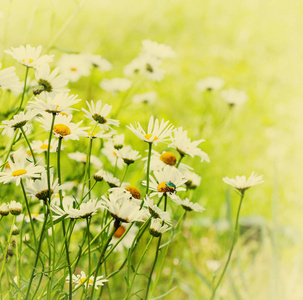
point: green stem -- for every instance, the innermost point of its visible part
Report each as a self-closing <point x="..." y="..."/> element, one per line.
<point x="231" y="248"/>
<point x="29" y="145"/>
<point x="24" y="89"/>
<point x="179" y="161"/>
<point x="136" y="270"/>
<point x="37" y="255"/>
<point x="9" y="149"/>
<point x="122" y="179"/>
<point x="88" y="244"/>
<point x="148" y="167"/>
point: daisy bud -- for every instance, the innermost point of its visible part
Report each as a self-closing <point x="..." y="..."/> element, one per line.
<point x="16" y="230"/>
<point x="26" y="238"/>
<point x="4" y="209"/>
<point x="15" y="208"/>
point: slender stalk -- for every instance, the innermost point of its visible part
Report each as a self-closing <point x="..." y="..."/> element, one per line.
<point x="37" y="255"/>
<point x="9" y="149"/>
<point x="88" y="244"/>
<point x="29" y="145"/>
<point x="179" y="161"/>
<point x="148" y="167"/>
<point x="24" y="89"/>
<point x="18" y="265"/>
<point x="231" y="248"/>
<point x="89" y="190"/>
<point x="138" y="265"/>
<point x="122" y="179"/>
<point x="63" y="224"/>
<point x="29" y="212"/>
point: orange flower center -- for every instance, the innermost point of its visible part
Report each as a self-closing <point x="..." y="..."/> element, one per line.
<point x="44" y="147"/>
<point x="19" y="172"/>
<point x="134" y="191"/>
<point x="162" y="188"/>
<point x="119" y="232"/>
<point x="61" y="129"/>
<point x="168" y="158"/>
<point x="73" y="69"/>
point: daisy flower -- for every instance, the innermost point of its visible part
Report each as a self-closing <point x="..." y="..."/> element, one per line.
<point x="80" y="278"/>
<point x="15" y="230"/>
<point x="20" y="169"/>
<point x="155" y="211"/>
<point x="167" y="181"/>
<point x="193" y="179"/>
<point x="155" y="132"/>
<point x="74" y="66"/>
<point x="128" y="155"/>
<point x="240" y="182"/>
<point x="9" y="80"/>
<point x="146" y="98"/>
<point x="63" y="127"/>
<point x="157" y="50"/>
<point x="18" y="120"/>
<point x="34" y="216"/>
<point x="39" y="188"/>
<point x="128" y="239"/>
<point x="157" y="228"/>
<point x="42" y="146"/>
<point x="108" y="177"/>
<point x="115" y="85"/>
<point x="15" y="208"/>
<point x="159" y="161"/>
<point x="97" y="61"/>
<point x="54" y="103"/>
<point x="131" y="191"/>
<point x="29" y="56"/>
<point x="123" y="209"/>
<point x="101" y="134"/>
<point x="49" y="82"/>
<point x="183" y="144"/>
<point x="99" y="114"/>
<point x="118" y="141"/>
<point x="234" y="97"/>
<point x="4" y="209"/>
<point x="81" y="157"/>
<point x="110" y="152"/>
<point x="210" y="84"/>
<point x="188" y="205"/>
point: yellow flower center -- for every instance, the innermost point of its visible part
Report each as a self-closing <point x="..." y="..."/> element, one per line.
<point x="35" y="215"/>
<point x="29" y="60"/>
<point x="168" y="158"/>
<point x="81" y="280"/>
<point x="7" y="166"/>
<point x="134" y="191"/>
<point x="73" y="69"/>
<point x="149" y="135"/>
<point x="19" y="172"/>
<point x="162" y="188"/>
<point x="44" y="147"/>
<point x="63" y="114"/>
<point x="119" y="232"/>
<point x="115" y="153"/>
<point x="28" y="152"/>
<point x="61" y="129"/>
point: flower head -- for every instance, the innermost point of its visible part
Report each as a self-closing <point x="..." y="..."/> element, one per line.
<point x="97" y="61"/>
<point x="115" y="85"/>
<point x="210" y="84"/>
<point x="188" y="205"/>
<point x="146" y="98"/>
<point x="128" y="155"/>
<point x="157" y="50"/>
<point x="234" y="97"/>
<point x="19" y="120"/>
<point x="108" y="177"/>
<point x="4" y="209"/>
<point x="157" y="228"/>
<point x="240" y="182"/>
<point x="82" y="279"/>
<point x="9" y="80"/>
<point x="15" y="208"/>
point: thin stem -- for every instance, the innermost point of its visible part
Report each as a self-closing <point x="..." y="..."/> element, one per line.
<point x="179" y="161"/>
<point x="148" y="166"/>
<point x="29" y="145"/>
<point x="9" y="149"/>
<point x="231" y="248"/>
<point x="29" y="212"/>
<point x="24" y="89"/>
<point x="138" y="265"/>
<point x="88" y="244"/>
<point x="122" y="179"/>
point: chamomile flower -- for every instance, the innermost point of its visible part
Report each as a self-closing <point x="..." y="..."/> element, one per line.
<point x="82" y="279"/>
<point x="128" y="239"/>
<point x="101" y="134"/>
<point x="74" y="66"/>
<point x="9" y="80"/>
<point x="155" y="211"/>
<point x="18" y="120"/>
<point x="29" y="56"/>
<point x="54" y="104"/>
<point x="242" y="184"/>
<point x="4" y="209"/>
<point x="49" y="82"/>
<point x="115" y="85"/>
<point x="97" y="61"/>
<point x="123" y="209"/>
<point x="156" y="132"/>
<point x="234" y="97"/>
<point x="63" y="127"/>
<point x="193" y="179"/>
<point x="146" y="98"/>
<point x="15" y="208"/>
<point x="20" y="169"/>
<point x="128" y="155"/>
<point x="15" y="230"/>
<point x="183" y="144"/>
<point x="131" y="192"/>
<point x="188" y="205"/>
<point x="118" y="141"/>
<point x="108" y="177"/>
<point x="110" y="152"/>
<point x="157" y="50"/>
<point x="157" y="228"/>
<point x="210" y="84"/>
<point x="159" y="161"/>
<point x="98" y="114"/>
<point x="39" y="188"/>
<point x="42" y="146"/>
<point x="81" y="157"/>
<point x="34" y="216"/>
<point x="167" y="181"/>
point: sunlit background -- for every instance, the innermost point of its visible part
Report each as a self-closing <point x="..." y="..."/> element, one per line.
<point x="255" y="46"/>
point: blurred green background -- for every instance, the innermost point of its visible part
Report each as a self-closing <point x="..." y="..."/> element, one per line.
<point x="255" y="46"/>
